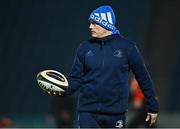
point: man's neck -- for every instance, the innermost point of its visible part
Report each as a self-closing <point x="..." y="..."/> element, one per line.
<point x="106" y="34"/>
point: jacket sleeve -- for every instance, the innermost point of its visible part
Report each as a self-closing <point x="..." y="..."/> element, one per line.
<point x="142" y="76"/>
<point x="76" y="73"/>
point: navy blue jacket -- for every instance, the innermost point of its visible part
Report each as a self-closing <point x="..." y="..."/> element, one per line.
<point x="101" y="72"/>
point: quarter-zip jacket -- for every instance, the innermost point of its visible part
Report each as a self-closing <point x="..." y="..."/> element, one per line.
<point x="101" y="72"/>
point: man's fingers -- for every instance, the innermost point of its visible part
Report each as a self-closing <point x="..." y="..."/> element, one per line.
<point x="151" y="117"/>
<point x="148" y="117"/>
<point x="152" y="122"/>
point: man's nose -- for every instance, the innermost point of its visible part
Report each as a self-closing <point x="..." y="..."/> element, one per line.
<point x="91" y="26"/>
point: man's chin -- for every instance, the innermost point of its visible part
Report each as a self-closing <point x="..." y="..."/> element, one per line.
<point x="93" y="36"/>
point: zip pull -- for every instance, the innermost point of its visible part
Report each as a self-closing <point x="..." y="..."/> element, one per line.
<point x="102" y="42"/>
<point x="103" y="52"/>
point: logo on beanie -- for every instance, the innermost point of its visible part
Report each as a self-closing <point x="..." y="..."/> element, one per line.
<point x="102" y="22"/>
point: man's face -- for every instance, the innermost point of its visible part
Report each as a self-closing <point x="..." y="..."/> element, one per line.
<point x="97" y="31"/>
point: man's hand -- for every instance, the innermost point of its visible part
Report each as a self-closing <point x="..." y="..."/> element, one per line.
<point x="151" y="117"/>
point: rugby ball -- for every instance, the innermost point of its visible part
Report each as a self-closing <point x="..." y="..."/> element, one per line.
<point x="52" y="80"/>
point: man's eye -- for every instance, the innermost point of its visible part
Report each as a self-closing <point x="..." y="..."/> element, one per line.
<point x="92" y="22"/>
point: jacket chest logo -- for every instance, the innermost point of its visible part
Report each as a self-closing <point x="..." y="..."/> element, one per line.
<point x="117" y="53"/>
<point x="119" y="124"/>
<point x="89" y="53"/>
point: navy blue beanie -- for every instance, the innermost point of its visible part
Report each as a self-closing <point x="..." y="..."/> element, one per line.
<point x="105" y="17"/>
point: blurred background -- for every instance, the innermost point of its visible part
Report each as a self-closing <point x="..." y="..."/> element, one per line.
<point x="43" y="34"/>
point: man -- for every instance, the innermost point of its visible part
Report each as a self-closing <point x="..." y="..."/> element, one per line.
<point x="101" y="72"/>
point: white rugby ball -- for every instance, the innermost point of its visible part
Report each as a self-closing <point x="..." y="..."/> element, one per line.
<point x="52" y="80"/>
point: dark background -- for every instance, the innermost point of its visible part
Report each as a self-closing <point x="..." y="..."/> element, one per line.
<point x="43" y="34"/>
